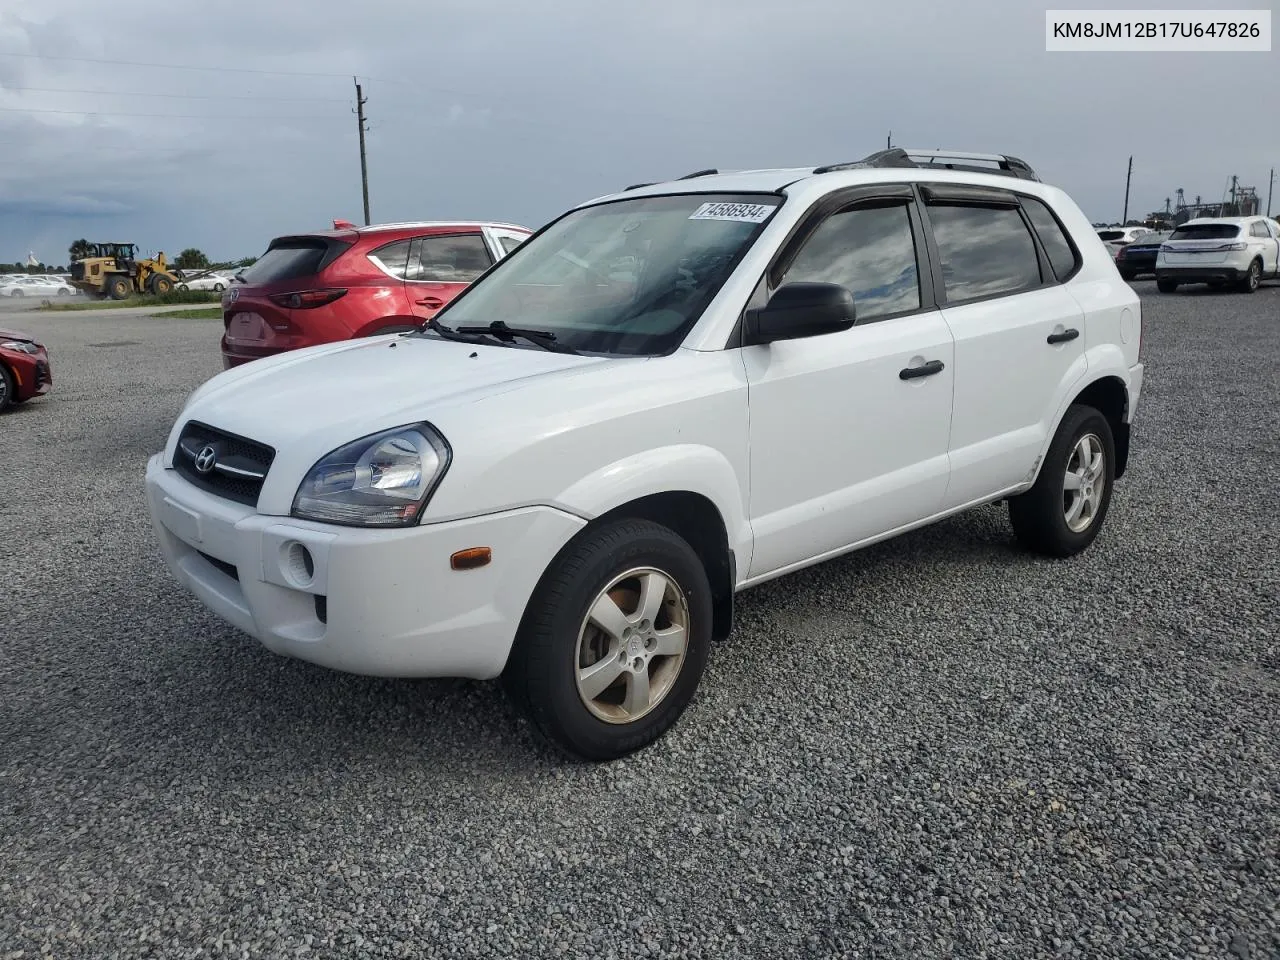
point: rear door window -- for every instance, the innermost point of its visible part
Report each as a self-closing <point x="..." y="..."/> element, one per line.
<point x="985" y="251"/>
<point x="460" y="258"/>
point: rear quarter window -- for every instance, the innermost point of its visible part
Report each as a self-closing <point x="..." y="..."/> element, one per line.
<point x="1062" y="253"/>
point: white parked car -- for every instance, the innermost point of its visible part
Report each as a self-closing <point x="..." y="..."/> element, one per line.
<point x="35" y="287"/>
<point x="216" y="282"/>
<point x="663" y="397"/>
<point x="1220" y="251"/>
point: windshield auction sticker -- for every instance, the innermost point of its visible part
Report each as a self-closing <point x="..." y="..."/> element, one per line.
<point x="741" y="212"/>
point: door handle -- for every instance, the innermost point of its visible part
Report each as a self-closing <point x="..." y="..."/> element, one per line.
<point x="430" y="302"/>
<point x="924" y="370"/>
<point x="1064" y="336"/>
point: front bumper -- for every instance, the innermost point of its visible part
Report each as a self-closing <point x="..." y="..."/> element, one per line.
<point x="377" y="602"/>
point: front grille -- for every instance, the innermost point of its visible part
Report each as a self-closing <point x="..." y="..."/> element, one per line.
<point x="77" y="271"/>
<point x="223" y="463"/>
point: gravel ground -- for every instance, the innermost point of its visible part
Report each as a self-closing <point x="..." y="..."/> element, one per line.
<point x="939" y="747"/>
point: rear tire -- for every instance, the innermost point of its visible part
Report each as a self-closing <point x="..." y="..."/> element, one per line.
<point x="641" y="667"/>
<point x="6" y="387"/>
<point x="119" y="288"/>
<point x="1166" y="286"/>
<point x="1252" y="278"/>
<point x="183" y="287"/>
<point x="17" y="293"/>
<point x="1062" y="514"/>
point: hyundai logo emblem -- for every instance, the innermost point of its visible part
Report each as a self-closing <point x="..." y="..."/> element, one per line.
<point x="206" y="458"/>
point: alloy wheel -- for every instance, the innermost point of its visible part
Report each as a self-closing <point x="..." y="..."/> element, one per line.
<point x="631" y="645"/>
<point x="1083" y="485"/>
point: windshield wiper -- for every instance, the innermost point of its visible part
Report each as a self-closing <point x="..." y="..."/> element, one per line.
<point x="539" y="338"/>
<point x="459" y="336"/>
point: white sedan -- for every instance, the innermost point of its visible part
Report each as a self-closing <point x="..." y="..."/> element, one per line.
<point x="216" y="282"/>
<point x="35" y="287"/>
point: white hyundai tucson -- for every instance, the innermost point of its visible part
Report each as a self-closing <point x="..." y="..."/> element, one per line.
<point x="665" y="396"/>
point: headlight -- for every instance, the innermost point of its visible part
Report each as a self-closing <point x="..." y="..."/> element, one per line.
<point x="21" y="346"/>
<point x="379" y="481"/>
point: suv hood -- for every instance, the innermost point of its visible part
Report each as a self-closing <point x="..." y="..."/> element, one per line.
<point x="16" y="335"/>
<point x="335" y="393"/>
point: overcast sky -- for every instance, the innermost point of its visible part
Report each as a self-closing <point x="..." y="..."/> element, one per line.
<point x="517" y="110"/>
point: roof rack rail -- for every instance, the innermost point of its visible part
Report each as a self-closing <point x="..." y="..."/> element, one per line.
<point x="710" y="171"/>
<point x="996" y="163"/>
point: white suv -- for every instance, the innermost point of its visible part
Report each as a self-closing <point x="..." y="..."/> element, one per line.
<point x="663" y="397"/>
<point x="1220" y="251"/>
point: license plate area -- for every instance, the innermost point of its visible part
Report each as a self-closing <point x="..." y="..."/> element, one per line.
<point x="247" y="327"/>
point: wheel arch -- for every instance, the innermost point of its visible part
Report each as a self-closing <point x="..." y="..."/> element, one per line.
<point x="1108" y="393"/>
<point x="696" y="519"/>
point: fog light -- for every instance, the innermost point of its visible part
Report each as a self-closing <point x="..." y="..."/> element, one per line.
<point x="299" y="566"/>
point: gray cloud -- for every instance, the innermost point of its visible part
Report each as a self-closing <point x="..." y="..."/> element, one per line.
<point x="515" y="111"/>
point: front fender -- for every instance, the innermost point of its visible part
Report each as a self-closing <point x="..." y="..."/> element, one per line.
<point x="691" y="468"/>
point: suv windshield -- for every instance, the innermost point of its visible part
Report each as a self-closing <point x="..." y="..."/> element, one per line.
<point x="1206" y="231"/>
<point x="626" y="277"/>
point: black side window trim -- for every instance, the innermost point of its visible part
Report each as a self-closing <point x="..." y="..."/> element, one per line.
<point x="1047" y="275"/>
<point x="415" y="248"/>
<point x="880" y="194"/>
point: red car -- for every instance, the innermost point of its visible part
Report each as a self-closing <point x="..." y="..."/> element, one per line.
<point x="24" y="368"/>
<point x="354" y="282"/>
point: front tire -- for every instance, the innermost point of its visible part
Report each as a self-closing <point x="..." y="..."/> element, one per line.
<point x="614" y="640"/>
<point x="6" y="387"/>
<point x="1062" y="514"/>
<point x="218" y="288"/>
<point x="160" y="284"/>
<point x="1166" y="286"/>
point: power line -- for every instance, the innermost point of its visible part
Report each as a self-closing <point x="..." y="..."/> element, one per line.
<point x="174" y="66"/>
<point x="175" y="96"/>
<point x="173" y="116"/>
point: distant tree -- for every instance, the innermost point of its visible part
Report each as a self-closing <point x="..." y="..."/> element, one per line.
<point x="191" y="259"/>
<point x="79" y="250"/>
<point x="246" y="262"/>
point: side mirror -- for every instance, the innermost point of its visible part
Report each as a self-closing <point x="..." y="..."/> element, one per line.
<point x="799" y="310"/>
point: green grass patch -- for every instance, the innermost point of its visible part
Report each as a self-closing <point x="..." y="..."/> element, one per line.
<point x="198" y="313"/>
<point x="52" y="304"/>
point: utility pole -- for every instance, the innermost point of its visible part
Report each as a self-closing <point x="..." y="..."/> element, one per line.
<point x="364" y="165"/>
<point x="888" y="143"/>
<point x="1270" y="183"/>
<point x="1233" y="195"/>
<point x="1125" y="219"/>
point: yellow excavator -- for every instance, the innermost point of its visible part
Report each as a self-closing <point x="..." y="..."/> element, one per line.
<point x="114" y="270"/>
